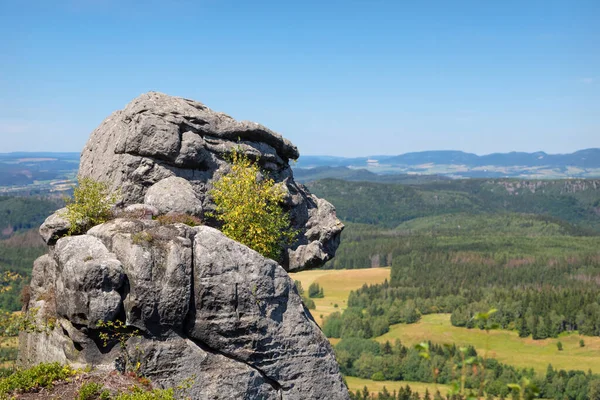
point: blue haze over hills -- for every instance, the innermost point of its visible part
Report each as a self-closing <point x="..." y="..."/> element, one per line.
<point x="48" y="171"/>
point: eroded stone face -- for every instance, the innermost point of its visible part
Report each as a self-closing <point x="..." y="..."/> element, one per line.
<point x="155" y="138"/>
<point x="206" y="307"/>
<point x="196" y="306"/>
<point x="88" y="280"/>
<point x="158" y="263"/>
<point x="247" y="306"/>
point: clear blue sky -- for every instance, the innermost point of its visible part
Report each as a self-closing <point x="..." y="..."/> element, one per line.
<point x="341" y="78"/>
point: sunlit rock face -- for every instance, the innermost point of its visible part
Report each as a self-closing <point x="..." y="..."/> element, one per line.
<point x="156" y="137"/>
<point x="192" y="306"/>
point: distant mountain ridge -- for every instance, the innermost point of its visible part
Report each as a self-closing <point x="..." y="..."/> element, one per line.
<point x="30" y="172"/>
<point x="458" y="164"/>
<point x="587" y="158"/>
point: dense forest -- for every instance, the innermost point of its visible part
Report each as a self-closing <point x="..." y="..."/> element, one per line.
<point x="448" y="364"/>
<point x="22" y="213"/>
<point x="20" y="242"/>
<point x="541" y="285"/>
<point x="529" y="250"/>
<point x="389" y="205"/>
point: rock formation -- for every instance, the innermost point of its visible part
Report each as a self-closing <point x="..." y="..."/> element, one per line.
<point x="178" y="303"/>
<point x="157" y="137"/>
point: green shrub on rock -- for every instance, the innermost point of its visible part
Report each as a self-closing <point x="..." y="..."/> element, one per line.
<point x="91" y="205"/>
<point x="249" y="207"/>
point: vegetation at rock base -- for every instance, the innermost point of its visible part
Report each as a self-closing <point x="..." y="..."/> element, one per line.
<point x="91" y="205"/>
<point x="41" y="375"/>
<point x="42" y="380"/>
<point x="250" y="208"/>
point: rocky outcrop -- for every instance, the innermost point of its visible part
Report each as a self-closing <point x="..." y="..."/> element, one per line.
<point x="139" y="150"/>
<point x="196" y="305"/>
<point x="175" y="303"/>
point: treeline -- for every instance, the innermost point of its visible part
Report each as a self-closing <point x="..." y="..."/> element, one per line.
<point x="541" y="286"/>
<point x="389" y="205"/>
<point x="17" y="255"/>
<point x="365" y="246"/>
<point x="22" y="213"/>
<point x="540" y="312"/>
<point x="20" y="244"/>
<point x="449" y="364"/>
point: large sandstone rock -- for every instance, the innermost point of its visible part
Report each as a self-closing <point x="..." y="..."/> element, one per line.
<point x="196" y="306"/>
<point x="180" y="304"/>
<point x="158" y="137"/>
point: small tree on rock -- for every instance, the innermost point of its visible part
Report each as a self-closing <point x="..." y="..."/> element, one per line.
<point x="91" y="205"/>
<point x="250" y="208"/>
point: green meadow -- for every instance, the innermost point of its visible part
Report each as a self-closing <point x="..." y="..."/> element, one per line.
<point x="374" y="387"/>
<point x="337" y="285"/>
<point x="506" y="346"/>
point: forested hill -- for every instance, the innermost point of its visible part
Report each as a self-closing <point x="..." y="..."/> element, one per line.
<point x="388" y="205"/>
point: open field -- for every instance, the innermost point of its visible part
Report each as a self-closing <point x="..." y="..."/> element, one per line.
<point x="506" y="346"/>
<point x="337" y="285"/>
<point x="355" y="384"/>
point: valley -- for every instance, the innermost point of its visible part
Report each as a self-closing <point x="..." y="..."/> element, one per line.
<point x="418" y="262"/>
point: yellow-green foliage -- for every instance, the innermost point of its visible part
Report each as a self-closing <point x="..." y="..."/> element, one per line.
<point x="91" y="205"/>
<point x="140" y="394"/>
<point x="41" y="375"/>
<point x="91" y="391"/>
<point x="250" y="208"/>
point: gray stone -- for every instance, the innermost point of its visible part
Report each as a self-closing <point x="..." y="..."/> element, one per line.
<point x="246" y="306"/>
<point x="158" y="263"/>
<point x="210" y="375"/>
<point x="88" y="280"/>
<point x="157" y="136"/>
<point x="140" y="211"/>
<point x="43" y="275"/>
<point x="197" y="307"/>
<point x="173" y="195"/>
<point x="65" y="344"/>
<point x="54" y="227"/>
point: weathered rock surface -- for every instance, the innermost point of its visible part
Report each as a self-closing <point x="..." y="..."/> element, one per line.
<point x="158" y="137"/>
<point x="214" y="376"/>
<point x="204" y="306"/>
<point x="158" y="263"/>
<point x="183" y="304"/>
<point x="246" y="306"/>
<point x="54" y="227"/>
<point x="175" y="195"/>
<point x="88" y="279"/>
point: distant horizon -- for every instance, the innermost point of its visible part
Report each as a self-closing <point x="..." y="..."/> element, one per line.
<point x="359" y="156"/>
